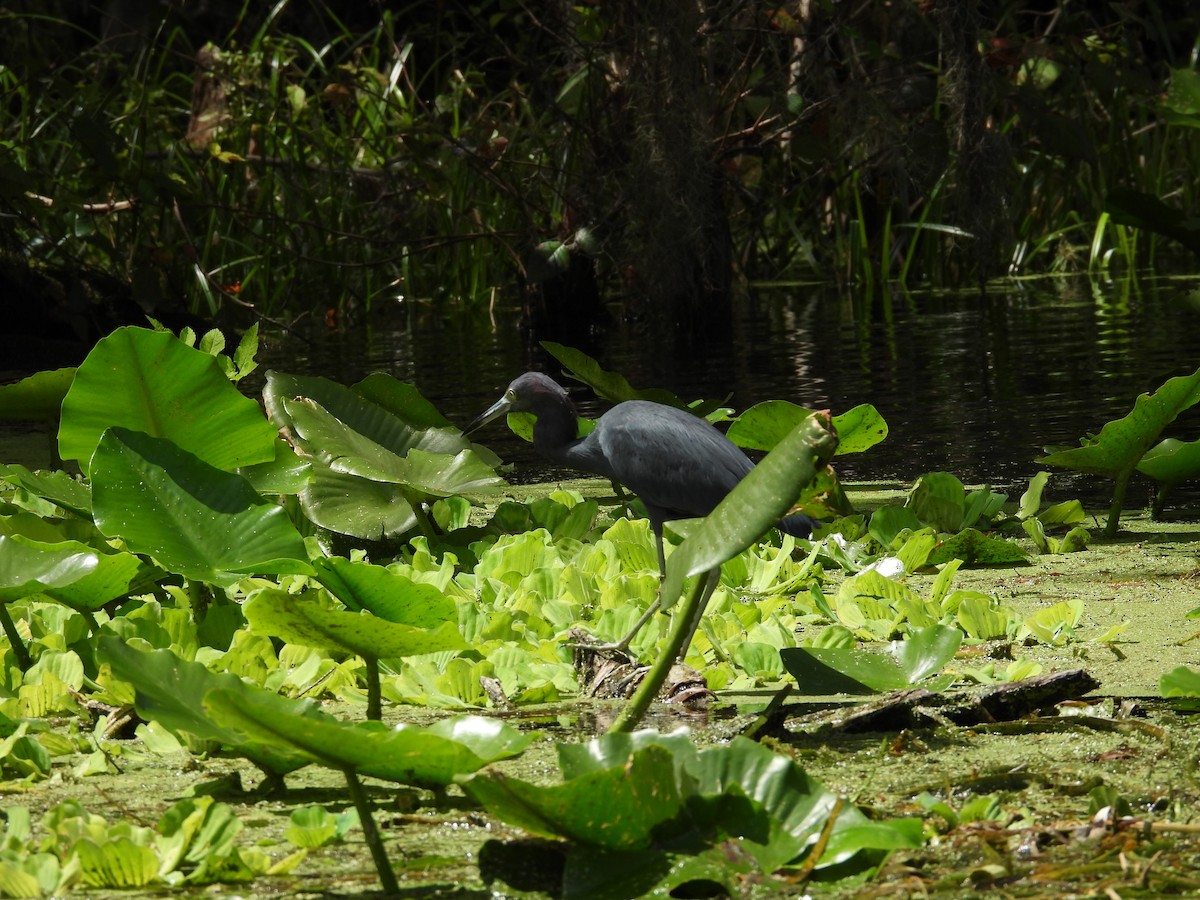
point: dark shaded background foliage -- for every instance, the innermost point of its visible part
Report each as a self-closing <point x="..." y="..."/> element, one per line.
<point x="195" y="158"/>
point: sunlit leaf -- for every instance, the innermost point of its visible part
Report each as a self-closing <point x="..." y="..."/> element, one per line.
<point x="765" y="424"/>
<point x="57" y="487"/>
<point x="387" y="594"/>
<point x="904" y="664"/>
<point x="633" y="798"/>
<point x="279" y="614"/>
<point x="193" y="518"/>
<point x="937" y="499"/>
<point x="981" y="617"/>
<point x="1119" y="447"/>
<point x="170" y="691"/>
<point x="27" y="567"/>
<point x="1180" y="682"/>
<point x="152" y="382"/>
<point x="117" y="863"/>
<point x="430" y="756"/>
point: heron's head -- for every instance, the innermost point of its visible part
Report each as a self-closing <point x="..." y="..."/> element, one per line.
<point x="530" y="392"/>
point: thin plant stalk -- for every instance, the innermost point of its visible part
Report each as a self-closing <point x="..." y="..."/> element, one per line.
<point x="387" y="878"/>
<point x="635" y="710"/>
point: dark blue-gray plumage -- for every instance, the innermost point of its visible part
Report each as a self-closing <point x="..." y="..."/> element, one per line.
<point x="678" y="464"/>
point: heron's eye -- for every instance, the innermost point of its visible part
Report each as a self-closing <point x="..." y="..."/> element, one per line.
<point x="510" y="395"/>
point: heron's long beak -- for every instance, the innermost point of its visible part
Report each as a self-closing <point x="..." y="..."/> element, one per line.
<point x="495" y="411"/>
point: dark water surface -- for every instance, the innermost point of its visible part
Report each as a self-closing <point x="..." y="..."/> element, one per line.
<point x="969" y="384"/>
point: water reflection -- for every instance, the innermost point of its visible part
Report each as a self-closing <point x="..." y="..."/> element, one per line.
<point x="975" y="385"/>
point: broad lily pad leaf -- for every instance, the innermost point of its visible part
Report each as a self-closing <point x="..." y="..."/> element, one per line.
<point x="642" y="799"/>
<point x="195" y="519"/>
<point x="279" y="614"/>
<point x="937" y="498"/>
<point x="152" y="382"/>
<point x="1121" y="443"/>
<point x="39" y="396"/>
<point x="1180" y="682"/>
<point x="904" y="664"/>
<point x="116" y="575"/>
<point x="347" y="504"/>
<point x="758" y="502"/>
<point x="418" y="472"/>
<point x="29" y="567"/>
<point x="170" y="691"/>
<point x="888" y="522"/>
<point x="370" y="463"/>
<point x="1170" y="462"/>
<point x="57" y="487"/>
<point x="287" y="473"/>
<point x="394" y="432"/>
<point x="765" y="424"/>
<point x="432" y="756"/>
<point x="387" y="594"/>
<point x="618" y="808"/>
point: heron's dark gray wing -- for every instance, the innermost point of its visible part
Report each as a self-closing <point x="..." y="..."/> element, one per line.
<point x="677" y="463"/>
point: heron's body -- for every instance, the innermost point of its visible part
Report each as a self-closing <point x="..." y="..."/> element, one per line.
<point x="678" y="464"/>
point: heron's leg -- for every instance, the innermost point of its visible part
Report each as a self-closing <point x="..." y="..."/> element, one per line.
<point x="622" y="645"/>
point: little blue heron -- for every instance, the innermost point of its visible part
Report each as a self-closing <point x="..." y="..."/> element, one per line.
<point x="678" y="464"/>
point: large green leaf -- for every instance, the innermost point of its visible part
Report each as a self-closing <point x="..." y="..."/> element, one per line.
<point x="432" y="756"/>
<point x="402" y="400"/>
<point x="387" y="594"/>
<point x="758" y="502"/>
<point x="373" y="422"/>
<point x="1170" y="462"/>
<point x="29" y="567"/>
<point x="1180" y="682"/>
<point x="373" y="455"/>
<point x="57" y="487"/>
<point x="904" y="664"/>
<point x="169" y="691"/>
<point x="347" y="504"/>
<point x="39" y="396"/>
<point x="765" y="424"/>
<point x="116" y="575"/>
<point x="617" y="808"/>
<point x="419" y="472"/>
<point x="194" y="519"/>
<point x="152" y="382"/>
<point x="938" y="498"/>
<point x="287" y="473"/>
<point x="1122" y="442"/>
<point x="279" y="614"/>
<point x="640" y="799"/>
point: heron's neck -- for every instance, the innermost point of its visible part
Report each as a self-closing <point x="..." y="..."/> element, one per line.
<point x="554" y="432"/>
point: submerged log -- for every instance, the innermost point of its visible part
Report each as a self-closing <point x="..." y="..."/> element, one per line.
<point x="919" y="708"/>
